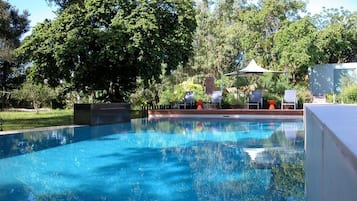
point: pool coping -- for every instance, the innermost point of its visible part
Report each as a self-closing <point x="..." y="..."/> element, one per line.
<point x="227" y="113"/>
<point x="37" y="129"/>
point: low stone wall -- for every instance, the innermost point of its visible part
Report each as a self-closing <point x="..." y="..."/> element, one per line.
<point x="97" y="114"/>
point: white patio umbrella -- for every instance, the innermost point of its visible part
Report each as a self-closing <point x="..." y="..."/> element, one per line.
<point x="252" y="68"/>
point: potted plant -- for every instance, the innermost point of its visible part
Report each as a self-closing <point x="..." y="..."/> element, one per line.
<point x="270" y="99"/>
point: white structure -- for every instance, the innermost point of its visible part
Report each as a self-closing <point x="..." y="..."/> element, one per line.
<point x="325" y="78"/>
<point x="331" y="152"/>
<point x="253" y="67"/>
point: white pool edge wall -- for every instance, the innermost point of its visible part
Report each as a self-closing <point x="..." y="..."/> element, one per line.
<point x="331" y="152"/>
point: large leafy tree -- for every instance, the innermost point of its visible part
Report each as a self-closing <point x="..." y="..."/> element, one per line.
<point x="229" y="29"/>
<point x="337" y="38"/>
<point x="295" y="49"/>
<point x="276" y="35"/>
<point x="106" y="45"/>
<point x="261" y="23"/>
<point x="12" y="25"/>
<point x="217" y="37"/>
<point x="37" y="94"/>
<point x="202" y="35"/>
<point x="63" y="4"/>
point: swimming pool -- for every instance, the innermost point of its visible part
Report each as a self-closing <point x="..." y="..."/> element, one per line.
<point x="166" y="159"/>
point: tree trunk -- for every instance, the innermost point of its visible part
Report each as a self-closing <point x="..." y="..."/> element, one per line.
<point x="35" y="106"/>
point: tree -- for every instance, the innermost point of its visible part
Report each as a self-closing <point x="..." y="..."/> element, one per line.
<point x="35" y="93"/>
<point x="261" y="23"/>
<point x="63" y="4"/>
<point x="12" y="26"/>
<point x="229" y="29"/>
<point x="337" y="38"/>
<point x="295" y="48"/>
<point x="105" y="45"/>
<point x="202" y="36"/>
<point x="217" y="36"/>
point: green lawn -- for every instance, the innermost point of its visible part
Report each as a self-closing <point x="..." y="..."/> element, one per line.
<point x="15" y="120"/>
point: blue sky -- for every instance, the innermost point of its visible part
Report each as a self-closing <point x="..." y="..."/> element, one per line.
<point x="40" y="10"/>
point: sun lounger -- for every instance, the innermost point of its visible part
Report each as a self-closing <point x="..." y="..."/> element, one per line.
<point x="256" y="99"/>
<point x="216" y="97"/>
<point x="289" y="99"/>
<point x="189" y="99"/>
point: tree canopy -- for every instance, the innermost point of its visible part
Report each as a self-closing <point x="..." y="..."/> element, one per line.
<point x="120" y="47"/>
<point x="106" y="45"/>
<point x="12" y="25"/>
<point x="278" y="34"/>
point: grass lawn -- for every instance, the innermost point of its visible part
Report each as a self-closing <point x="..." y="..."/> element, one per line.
<point x="17" y="120"/>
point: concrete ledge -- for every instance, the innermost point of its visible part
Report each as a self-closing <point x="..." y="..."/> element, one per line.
<point x="331" y="152"/>
<point x="226" y="113"/>
<point x="97" y="114"/>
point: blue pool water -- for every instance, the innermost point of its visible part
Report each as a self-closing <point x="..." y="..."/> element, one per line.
<point x="167" y="159"/>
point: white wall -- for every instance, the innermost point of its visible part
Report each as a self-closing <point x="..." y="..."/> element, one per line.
<point x="323" y="78"/>
<point x="331" y="152"/>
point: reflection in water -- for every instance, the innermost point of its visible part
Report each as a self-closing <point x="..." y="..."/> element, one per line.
<point x="21" y="143"/>
<point x="167" y="159"/>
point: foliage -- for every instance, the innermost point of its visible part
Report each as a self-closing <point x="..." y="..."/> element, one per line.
<point x="349" y="94"/>
<point x="289" y="179"/>
<point x="200" y="94"/>
<point x="294" y="48"/>
<point x="237" y="29"/>
<point x="129" y="50"/>
<point x="334" y="98"/>
<point x="261" y="22"/>
<point x="348" y="79"/>
<point x="37" y="94"/>
<point x="145" y="96"/>
<point x="275" y="86"/>
<point x="304" y="96"/>
<point x="337" y="37"/>
<point x="233" y="98"/>
<point x="274" y="33"/>
<point x="177" y="92"/>
<point x="173" y="90"/>
<point x="348" y="84"/>
<point x="106" y="45"/>
<point x="274" y="83"/>
<point x="216" y="38"/>
<point x="272" y="96"/>
<point x="12" y="26"/>
<point x="63" y="4"/>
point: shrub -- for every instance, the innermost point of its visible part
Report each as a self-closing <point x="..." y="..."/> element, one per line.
<point x="349" y="94"/>
<point x="333" y="98"/>
<point x="304" y="96"/>
<point x="232" y="98"/>
<point x="177" y="92"/>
